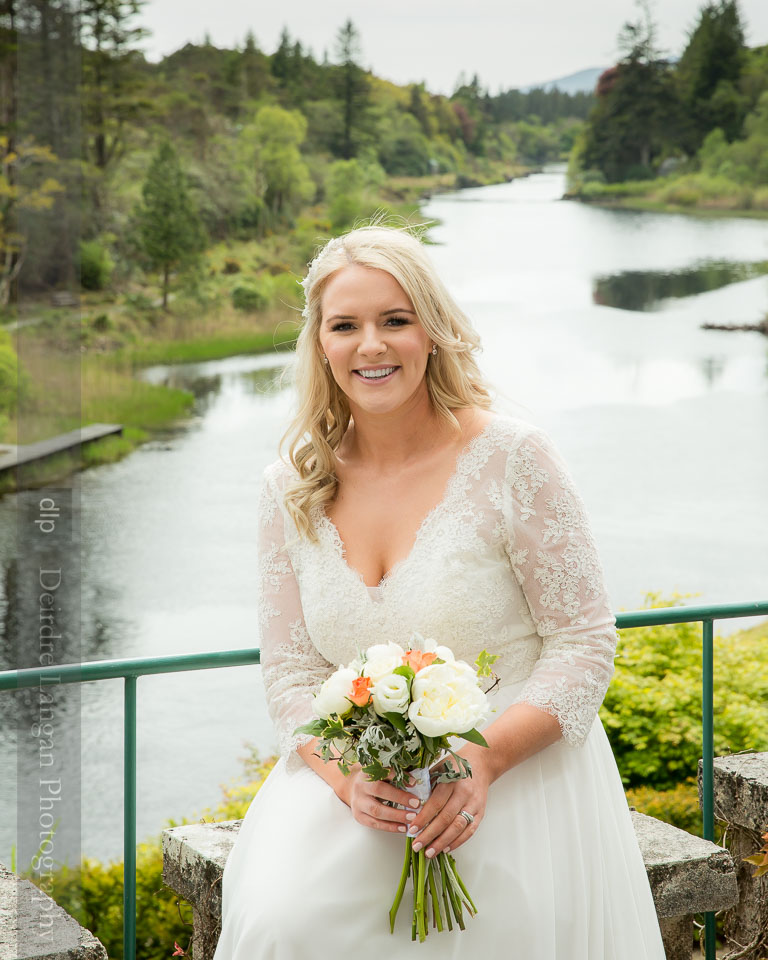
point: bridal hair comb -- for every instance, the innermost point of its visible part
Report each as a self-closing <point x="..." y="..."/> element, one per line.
<point x="309" y="279"/>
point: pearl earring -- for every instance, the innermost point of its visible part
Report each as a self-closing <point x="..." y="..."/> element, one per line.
<point x="434" y="349"/>
<point x="325" y="359"/>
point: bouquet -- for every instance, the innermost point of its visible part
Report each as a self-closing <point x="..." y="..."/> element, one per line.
<point x="392" y="711"/>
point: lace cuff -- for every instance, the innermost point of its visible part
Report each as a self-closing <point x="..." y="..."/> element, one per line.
<point x="555" y="561"/>
<point x="292" y="667"/>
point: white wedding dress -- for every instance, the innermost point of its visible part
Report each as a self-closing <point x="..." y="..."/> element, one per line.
<point x="505" y="562"/>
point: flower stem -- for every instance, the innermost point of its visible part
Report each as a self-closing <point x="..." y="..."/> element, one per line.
<point x="454" y="892"/>
<point x="444" y="886"/>
<point x="470" y="905"/>
<point x="420" y="906"/>
<point x="436" y="915"/>
<point x="401" y="887"/>
<point x="414" y="874"/>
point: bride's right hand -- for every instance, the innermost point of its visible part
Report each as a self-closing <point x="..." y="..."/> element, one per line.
<point x="364" y="797"/>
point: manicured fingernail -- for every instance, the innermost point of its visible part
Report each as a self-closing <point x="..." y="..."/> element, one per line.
<point x="401" y="829"/>
<point x="414" y="802"/>
<point x="447" y="850"/>
<point x="430" y="852"/>
<point x="413" y="830"/>
<point x="416" y="847"/>
<point x="410" y="816"/>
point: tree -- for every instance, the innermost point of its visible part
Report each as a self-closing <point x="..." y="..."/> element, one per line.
<point x="418" y="107"/>
<point x="21" y="190"/>
<point x="107" y="35"/>
<point x="471" y="106"/>
<point x="255" y="68"/>
<point x="709" y="74"/>
<point x="634" y="121"/>
<point x="271" y="144"/>
<point x="171" y="233"/>
<point x="352" y="88"/>
<point x="281" y="58"/>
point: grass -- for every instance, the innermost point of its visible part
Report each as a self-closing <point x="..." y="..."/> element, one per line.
<point x="211" y="347"/>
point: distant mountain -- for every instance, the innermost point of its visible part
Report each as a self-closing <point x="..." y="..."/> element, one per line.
<point x="582" y="82"/>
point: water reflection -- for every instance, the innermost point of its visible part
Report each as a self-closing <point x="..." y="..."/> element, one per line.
<point x="263" y="382"/>
<point x="644" y="290"/>
<point x="712" y="368"/>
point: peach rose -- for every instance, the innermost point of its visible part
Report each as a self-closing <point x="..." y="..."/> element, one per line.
<point x="361" y="691"/>
<point x="416" y="659"/>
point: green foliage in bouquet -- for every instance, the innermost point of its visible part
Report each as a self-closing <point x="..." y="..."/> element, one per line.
<point x="652" y="710"/>
<point x="389" y="746"/>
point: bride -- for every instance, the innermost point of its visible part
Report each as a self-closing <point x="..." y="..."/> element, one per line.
<point x="407" y="504"/>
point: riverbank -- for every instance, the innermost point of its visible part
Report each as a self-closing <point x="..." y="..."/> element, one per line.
<point x="78" y="364"/>
<point x="694" y="193"/>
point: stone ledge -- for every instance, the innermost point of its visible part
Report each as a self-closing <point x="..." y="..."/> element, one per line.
<point x="23" y="908"/>
<point x="741" y="790"/>
<point x="194" y="856"/>
<point x="687" y="874"/>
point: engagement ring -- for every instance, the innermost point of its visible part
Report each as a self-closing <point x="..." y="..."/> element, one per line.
<point x="467" y="816"/>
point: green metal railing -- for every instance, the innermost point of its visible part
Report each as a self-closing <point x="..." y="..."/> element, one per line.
<point x="131" y="669"/>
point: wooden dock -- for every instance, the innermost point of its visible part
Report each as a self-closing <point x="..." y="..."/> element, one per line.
<point x="14" y="456"/>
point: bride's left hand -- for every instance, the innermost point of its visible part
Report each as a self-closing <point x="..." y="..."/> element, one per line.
<point x="444" y="827"/>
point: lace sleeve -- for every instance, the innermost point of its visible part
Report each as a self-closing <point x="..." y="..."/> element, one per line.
<point x="292" y="667"/>
<point x="555" y="561"/>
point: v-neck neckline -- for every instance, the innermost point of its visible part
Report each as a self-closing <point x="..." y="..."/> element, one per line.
<point x="341" y="550"/>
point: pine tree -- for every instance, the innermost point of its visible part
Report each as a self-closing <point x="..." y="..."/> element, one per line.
<point x="636" y="113"/>
<point x="109" y="89"/>
<point x="171" y="233"/>
<point x="352" y="87"/>
<point x="709" y="74"/>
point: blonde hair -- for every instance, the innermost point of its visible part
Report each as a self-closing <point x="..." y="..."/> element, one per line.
<point x="452" y="376"/>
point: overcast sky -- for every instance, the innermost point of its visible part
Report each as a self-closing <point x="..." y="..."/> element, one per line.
<point x="508" y="43"/>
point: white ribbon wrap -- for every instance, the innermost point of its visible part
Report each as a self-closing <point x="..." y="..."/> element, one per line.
<point x="421" y="789"/>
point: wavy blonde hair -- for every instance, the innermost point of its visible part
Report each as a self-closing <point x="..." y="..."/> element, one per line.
<point x="453" y="377"/>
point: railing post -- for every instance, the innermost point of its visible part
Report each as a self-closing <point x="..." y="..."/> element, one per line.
<point x="708" y="763"/>
<point x="129" y="820"/>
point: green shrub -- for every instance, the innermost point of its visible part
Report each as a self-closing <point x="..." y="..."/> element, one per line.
<point x="9" y="374"/>
<point x="251" y="295"/>
<point x="93" y="892"/>
<point x="652" y="710"/>
<point x="681" y="193"/>
<point x="139" y="302"/>
<point x="679" y="805"/>
<point x="344" y="184"/>
<point x="96" y="265"/>
<point x="102" y="322"/>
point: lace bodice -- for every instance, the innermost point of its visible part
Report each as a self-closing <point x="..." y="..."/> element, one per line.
<point x="504" y="562"/>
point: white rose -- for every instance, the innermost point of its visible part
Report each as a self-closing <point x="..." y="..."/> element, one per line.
<point x="447" y="699"/>
<point x="381" y="659"/>
<point x="332" y="697"/>
<point x="390" y="695"/>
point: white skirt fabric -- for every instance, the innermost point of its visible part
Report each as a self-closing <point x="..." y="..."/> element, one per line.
<point x="554" y="870"/>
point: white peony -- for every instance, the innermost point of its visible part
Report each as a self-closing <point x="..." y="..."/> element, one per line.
<point x="390" y="695"/>
<point x="333" y="694"/>
<point x="381" y="660"/>
<point x="447" y="699"/>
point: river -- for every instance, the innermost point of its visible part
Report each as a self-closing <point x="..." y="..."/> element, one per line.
<point x="591" y="325"/>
